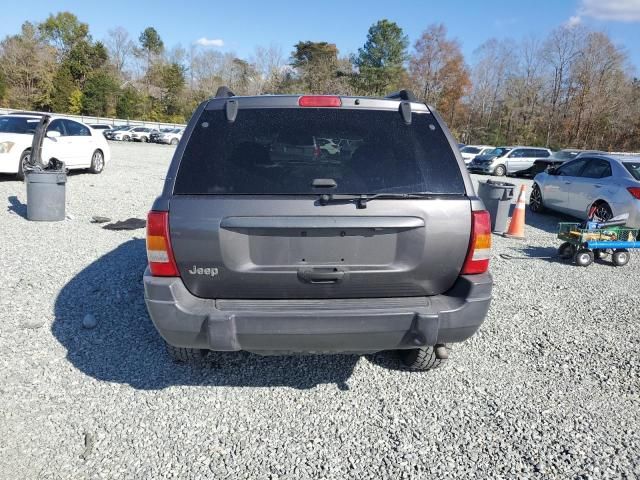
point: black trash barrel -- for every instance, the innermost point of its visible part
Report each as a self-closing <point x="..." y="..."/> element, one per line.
<point x="46" y="195"/>
<point x="497" y="197"/>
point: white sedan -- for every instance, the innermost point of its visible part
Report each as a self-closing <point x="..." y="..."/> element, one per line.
<point x="75" y="144"/>
<point x="608" y="183"/>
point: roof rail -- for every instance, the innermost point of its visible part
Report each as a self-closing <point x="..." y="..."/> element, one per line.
<point x="224" y="92"/>
<point x="33" y="114"/>
<point x="633" y="154"/>
<point x="402" y="95"/>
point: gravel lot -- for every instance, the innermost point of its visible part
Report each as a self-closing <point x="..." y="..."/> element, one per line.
<point x="549" y="388"/>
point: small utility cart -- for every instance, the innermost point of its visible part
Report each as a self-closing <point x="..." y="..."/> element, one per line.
<point x="586" y="241"/>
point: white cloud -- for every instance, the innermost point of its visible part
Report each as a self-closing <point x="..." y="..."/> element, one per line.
<point x="209" y="42"/>
<point x="616" y="10"/>
<point x="573" y="21"/>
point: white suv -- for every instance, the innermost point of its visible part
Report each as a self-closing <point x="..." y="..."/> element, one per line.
<point x="122" y="134"/>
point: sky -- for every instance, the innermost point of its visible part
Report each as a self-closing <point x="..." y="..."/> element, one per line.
<point x="242" y="25"/>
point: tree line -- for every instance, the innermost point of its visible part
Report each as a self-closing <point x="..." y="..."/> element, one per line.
<point x="573" y="88"/>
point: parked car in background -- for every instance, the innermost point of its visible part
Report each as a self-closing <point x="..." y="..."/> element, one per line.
<point x="541" y="164"/>
<point x="153" y="136"/>
<point x="469" y="152"/>
<point x="611" y="183"/>
<point x="101" y="127"/>
<point x="122" y="133"/>
<point x="257" y="245"/>
<point x="507" y="160"/>
<point x="71" y="142"/>
<point x="168" y="136"/>
<point x="141" y="134"/>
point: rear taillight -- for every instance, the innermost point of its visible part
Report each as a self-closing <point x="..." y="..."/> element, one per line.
<point x="635" y="191"/>
<point x="159" y="252"/>
<point x="480" y="245"/>
<point x="319" y="101"/>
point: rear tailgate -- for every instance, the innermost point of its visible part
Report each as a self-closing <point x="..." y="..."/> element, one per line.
<point x="307" y="251"/>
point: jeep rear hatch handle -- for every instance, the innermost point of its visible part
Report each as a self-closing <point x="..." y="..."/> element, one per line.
<point x="324" y="183"/>
<point x="321" y="275"/>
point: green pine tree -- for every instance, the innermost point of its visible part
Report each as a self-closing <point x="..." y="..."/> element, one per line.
<point x="381" y="60"/>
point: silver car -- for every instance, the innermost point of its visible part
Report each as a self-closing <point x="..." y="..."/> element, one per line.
<point x="611" y="183"/>
<point x="507" y="160"/>
<point x="170" y="137"/>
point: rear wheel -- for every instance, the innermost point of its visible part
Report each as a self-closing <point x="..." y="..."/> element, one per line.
<point x="97" y="162"/>
<point x="583" y="257"/>
<point x="500" y="171"/>
<point x="566" y="251"/>
<point x="423" y="359"/>
<point x="174" y="141"/>
<point x="24" y="161"/>
<point x="621" y="257"/>
<point x="185" y="355"/>
<point x="603" y="211"/>
<point x="535" y="200"/>
<point x="144" y="139"/>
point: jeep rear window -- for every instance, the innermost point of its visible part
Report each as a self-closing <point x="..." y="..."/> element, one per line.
<point x="282" y="150"/>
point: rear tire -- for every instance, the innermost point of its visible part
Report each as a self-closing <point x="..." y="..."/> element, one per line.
<point x="174" y="141"/>
<point x="535" y="199"/>
<point x="583" y="257"/>
<point x="566" y="251"/>
<point x="186" y="355"/>
<point x="97" y="162"/>
<point x="24" y="160"/>
<point x="620" y="257"/>
<point x="421" y="359"/>
<point x="144" y="139"/>
<point x="603" y="211"/>
<point x="500" y="171"/>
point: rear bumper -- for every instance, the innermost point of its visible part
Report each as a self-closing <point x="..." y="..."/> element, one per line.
<point x="332" y="325"/>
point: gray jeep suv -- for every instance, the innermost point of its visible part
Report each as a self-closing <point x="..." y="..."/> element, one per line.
<point x="264" y="241"/>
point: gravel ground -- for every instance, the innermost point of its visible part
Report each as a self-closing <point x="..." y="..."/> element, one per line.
<point x="549" y="388"/>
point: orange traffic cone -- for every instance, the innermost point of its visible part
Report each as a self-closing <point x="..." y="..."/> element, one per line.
<point x="516" y="227"/>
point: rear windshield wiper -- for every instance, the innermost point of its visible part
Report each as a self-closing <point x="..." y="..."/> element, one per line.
<point x="362" y="199"/>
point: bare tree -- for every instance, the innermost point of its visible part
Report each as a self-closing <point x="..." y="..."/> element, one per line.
<point x="206" y="71"/>
<point x="437" y="70"/>
<point x="271" y="67"/>
<point x="120" y="47"/>
<point x="599" y="76"/>
<point x="560" y="51"/>
<point x="495" y="65"/>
